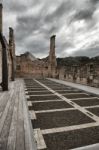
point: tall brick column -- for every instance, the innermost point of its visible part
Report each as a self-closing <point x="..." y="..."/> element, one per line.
<point x="1" y="9"/>
<point x="1" y="17"/>
<point x="52" y="58"/>
<point x="3" y="55"/>
<point x="12" y="51"/>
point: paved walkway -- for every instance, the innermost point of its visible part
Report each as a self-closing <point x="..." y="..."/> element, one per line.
<point x="15" y="129"/>
<point x="79" y="86"/>
<point x="87" y="89"/>
<point x="62" y="117"/>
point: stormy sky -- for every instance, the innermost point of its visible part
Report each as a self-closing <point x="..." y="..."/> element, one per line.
<point x="75" y="23"/>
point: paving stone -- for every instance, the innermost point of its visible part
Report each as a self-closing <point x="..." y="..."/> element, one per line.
<point x="60" y="119"/>
<point x="51" y="84"/>
<point x="48" y="120"/>
<point x="38" y="98"/>
<point x="59" y="88"/>
<point x="74" y="96"/>
<point x="36" y="89"/>
<point x="87" y="102"/>
<point x="72" y="139"/>
<point x="68" y="91"/>
<point x="49" y="105"/>
<point x="39" y="93"/>
<point x="39" y="139"/>
<point x="32" y="84"/>
<point x="94" y="111"/>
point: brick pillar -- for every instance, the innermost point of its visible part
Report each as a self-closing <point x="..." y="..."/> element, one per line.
<point x="1" y="8"/>
<point x="52" y="58"/>
<point x="12" y="52"/>
<point x="1" y="17"/>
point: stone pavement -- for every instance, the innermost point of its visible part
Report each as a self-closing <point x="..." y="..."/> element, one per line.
<point x="63" y="117"/>
<point x="15" y="129"/>
<point x="79" y="86"/>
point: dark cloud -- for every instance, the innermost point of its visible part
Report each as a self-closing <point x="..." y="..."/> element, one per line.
<point x="59" y="12"/>
<point x="20" y="6"/>
<point x="91" y="52"/>
<point x="26" y="26"/>
<point x="11" y="6"/>
<point x="63" y="45"/>
<point x="17" y="8"/>
<point x="83" y="14"/>
<point x="94" y="1"/>
<point x="35" y="21"/>
<point x="28" y="23"/>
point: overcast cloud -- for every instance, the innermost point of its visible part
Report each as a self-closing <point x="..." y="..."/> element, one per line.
<point x="75" y="23"/>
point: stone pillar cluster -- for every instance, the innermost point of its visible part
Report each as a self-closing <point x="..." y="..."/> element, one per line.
<point x="7" y="55"/>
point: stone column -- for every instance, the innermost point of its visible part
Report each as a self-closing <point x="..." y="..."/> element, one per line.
<point x="1" y="17"/>
<point x="4" y="83"/>
<point x="1" y="9"/>
<point x="12" y="52"/>
<point x="52" y="58"/>
<point x="3" y="55"/>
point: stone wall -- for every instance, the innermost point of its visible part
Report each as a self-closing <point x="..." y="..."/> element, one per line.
<point x="37" y="68"/>
<point x="88" y="74"/>
<point x="29" y="68"/>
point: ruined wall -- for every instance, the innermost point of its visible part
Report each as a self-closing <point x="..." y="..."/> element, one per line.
<point x="84" y="74"/>
<point x="38" y="68"/>
<point x="28" y="68"/>
<point x="87" y="73"/>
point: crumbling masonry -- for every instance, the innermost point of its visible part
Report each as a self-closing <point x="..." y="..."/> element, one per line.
<point x="12" y="66"/>
<point x="7" y="53"/>
<point x="87" y="73"/>
<point x="52" y="64"/>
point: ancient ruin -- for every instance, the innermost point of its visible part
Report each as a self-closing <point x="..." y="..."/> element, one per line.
<point x="52" y="64"/>
<point x="29" y="66"/>
<point x="82" y="72"/>
<point x="12" y="66"/>
<point x="7" y="55"/>
<point x="49" y="103"/>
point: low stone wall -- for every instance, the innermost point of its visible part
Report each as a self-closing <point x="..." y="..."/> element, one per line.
<point x="82" y="75"/>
